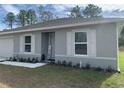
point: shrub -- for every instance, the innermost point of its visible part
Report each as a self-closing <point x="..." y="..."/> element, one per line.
<point x="52" y="61"/>
<point x="10" y="59"/>
<point x="14" y="59"/>
<point x="36" y="60"/>
<point x="29" y="60"/>
<point x="77" y="65"/>
<point x="33" y="60"/>
<point x="87" y="66"/>
<point x="63" y="63"/>
<point x="21" y="59"/>
<point x="42" y="57"/>
<point x="59" y="62"/>
<point x="109" y="69"/>
<point x="69" y="64"/>
<point x="98" y="69"/>
<point x="24" y="60"/>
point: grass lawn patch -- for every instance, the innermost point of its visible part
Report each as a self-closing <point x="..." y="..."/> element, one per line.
<point x="59" y="76"/>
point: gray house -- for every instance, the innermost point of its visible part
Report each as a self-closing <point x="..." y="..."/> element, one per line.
<point x="91" y="41"/>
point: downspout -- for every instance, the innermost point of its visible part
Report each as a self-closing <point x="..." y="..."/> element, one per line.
<point x="119" y="27"/>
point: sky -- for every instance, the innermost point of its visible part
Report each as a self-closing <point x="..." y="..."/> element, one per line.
<point x="58" y="9"/>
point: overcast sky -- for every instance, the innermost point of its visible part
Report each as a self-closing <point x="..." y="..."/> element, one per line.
<point x="59" y="10"/>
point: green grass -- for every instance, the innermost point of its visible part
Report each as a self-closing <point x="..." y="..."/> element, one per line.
<point x="59" y="76"/>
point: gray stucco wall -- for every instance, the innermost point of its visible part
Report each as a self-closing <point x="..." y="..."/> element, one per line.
<point x="106" y="44"/>
<point x="60" y="42"/>
<point x="93" y="62"/>
<point x="17" y="43"/>
<point x="37" y="45"/>
<point x="37" y="42"/>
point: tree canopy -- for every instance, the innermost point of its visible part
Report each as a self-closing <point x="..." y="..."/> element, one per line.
<point x="45" y="15"/>
<point x="92" y="11"/>
<point x="10" y="19"/>
<point x="31" y="16"/>
<point x="76" y="12"/>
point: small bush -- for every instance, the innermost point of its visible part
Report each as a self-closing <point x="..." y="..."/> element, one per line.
<point x="29" y="60"/>
<point x="42" y="57"/>
<point x="109" y="69"/>
<point x="33" y="60"/>
<point x="63" y="63"/>
<point x="21" y="59"/>
<point x="69" y="64"/>
<point x="87" y="66"/>
<point x="14" y="59"/>
<point x="10" y="59"/>
<point x="36" y="60"/>
<point x="59" y="62"/>
<point x="77" y="65"/>
<point x="98" y="69"/>
<point x="52" y="61"/>
<point x="24" y="60"/>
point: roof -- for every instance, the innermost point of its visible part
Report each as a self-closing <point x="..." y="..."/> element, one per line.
<point x="62" y="23"/>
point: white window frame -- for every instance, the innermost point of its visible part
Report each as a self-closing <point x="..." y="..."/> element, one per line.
<point x="27" y="43"/>
<point x="81" y="43"/>
<point x="22" y="44"/>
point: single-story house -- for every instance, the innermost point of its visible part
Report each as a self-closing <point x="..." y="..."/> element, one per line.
<point x="91" y="41"/>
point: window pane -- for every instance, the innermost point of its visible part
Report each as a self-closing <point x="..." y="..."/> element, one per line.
<point x="27" y="39"/>
<point x="81" y="49"/>
<point x="27" y="48"/>
<point x="80" y="37"/>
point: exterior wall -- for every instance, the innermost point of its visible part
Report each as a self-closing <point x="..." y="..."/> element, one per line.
<point x="16" y="43"/>
<point x="6" y="46"/>
<point x="17" y="46"/>
<point x="106" y="42"/>
<point x="103" y="63"/>
<point x="60" y="42"/>
<point x="106" y="46"/>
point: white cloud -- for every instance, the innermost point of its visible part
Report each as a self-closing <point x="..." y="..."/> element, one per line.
<point x="110" y="7"/>
<point x="62" y="7"/>
<point x="10" y="8"/>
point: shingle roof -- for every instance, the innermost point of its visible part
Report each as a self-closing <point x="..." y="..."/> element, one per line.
<point x="65" y="21"/>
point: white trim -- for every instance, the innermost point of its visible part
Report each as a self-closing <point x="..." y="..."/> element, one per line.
<point x="22" y="44"/>
<point x="91" y="41"/>
<point x="107" y="58"/>
<point x="81" y="43"/>
<point x="69" y="43"/>
<point x="119" y="27"/>
<point x="79" y="30"/>
<point x="62" y="26"/>
<point x="27" y="54"/>
<point x="6" y="37"/>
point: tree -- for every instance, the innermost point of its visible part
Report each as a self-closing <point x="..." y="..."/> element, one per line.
<point x="76" y="12"/>
<point x="45" y="15"/>
<point x="10" y="19"/>
<point x="22" y="18"/>
<point x="92" y="11"/>
<point x="31" y="16"/>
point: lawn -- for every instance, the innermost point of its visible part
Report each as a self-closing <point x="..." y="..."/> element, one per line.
<point x="59" y="76"/>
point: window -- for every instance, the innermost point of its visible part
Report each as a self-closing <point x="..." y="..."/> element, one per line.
<point x="27" y="44"/>
<point x="80" y="43"/>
